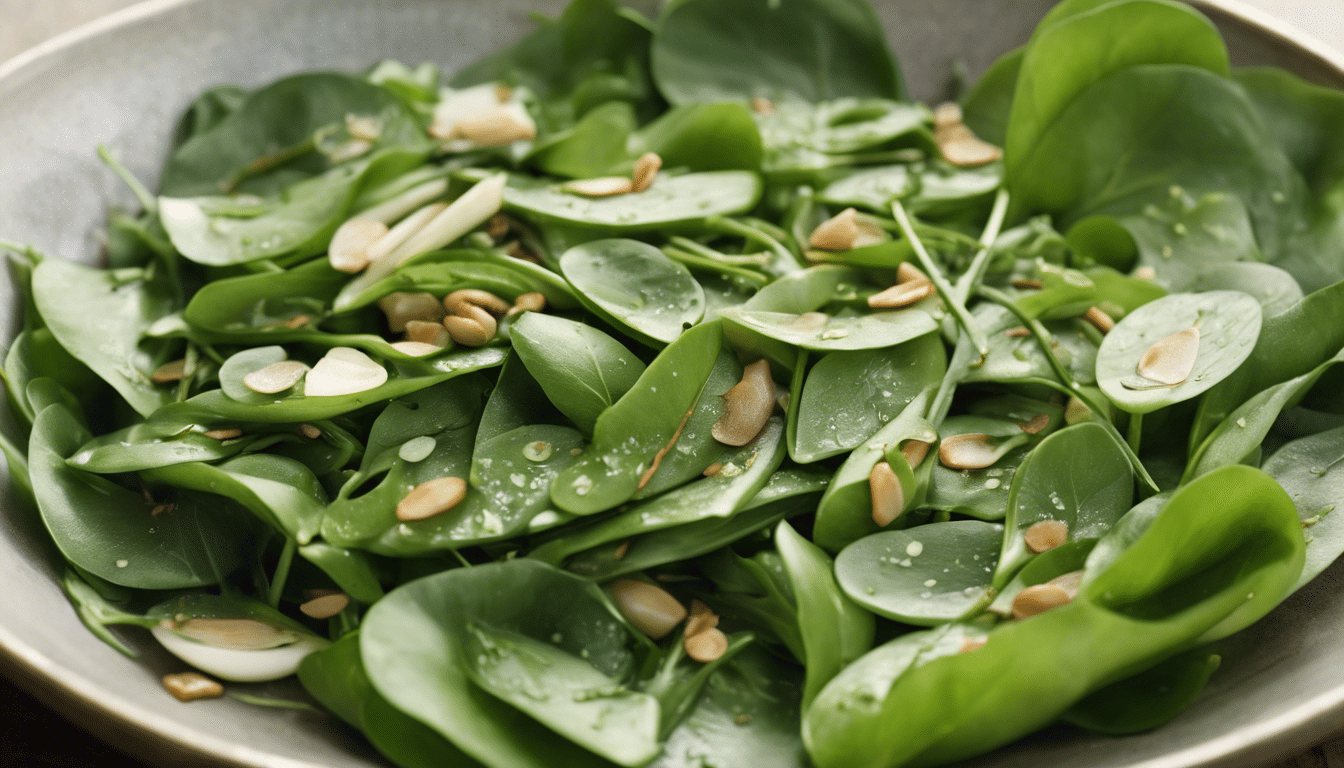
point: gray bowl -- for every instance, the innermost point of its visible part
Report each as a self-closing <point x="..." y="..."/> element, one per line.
<point x="124" y="81"/>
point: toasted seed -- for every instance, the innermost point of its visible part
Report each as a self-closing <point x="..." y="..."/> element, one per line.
<point x="1099" y="319"/>
<point x="909" y="273"/>
<point x="347" y="150"/>
<point x="161" y="509"/>
<point x="961" y="147"/>
<point x="1145" y="273"/>
<point x="888" y="495"/>
<point x="297" y="321"/>
<point x="648" y="607"/>
<point x="1039" y="598"/>
<point x="1019" y="332"/>
<point x="1070" y="582"/>
<point x="309" y="431"/>
<point x="604" y="186"/>
<point x="702" y="617"/>
<point x="367" y="127"/>
<point x="902" y="295"/>
<point x="1038" y="422"/>
<point x="349" y="249"/>
<point x="762" y="106"/>
<point x="224" y="434"/>
<point x="621" y="549"/>
<point x="404" y="306"/>
<point x="973" y="644"/>
<point x="1075" y="411"/>
<point x="460" y="104"/>
<point x="326" y="606"/>
<point x="1046" y="535"/>
<point x="498" y="126"/>
<point x="426" y="332"/>
<point x="404" y="230"/>
<point x="431" y="498"/>
<point x="1027" y="285"/>
<point x="747" y="406"/>
<point x="498" y="226"/>
<point x="706" y="646"/>
<point x="1171" y="360"/>
<point x="972" y="451"/>
<point x="237" y="634"/>
<point x="458" y="302"/>
<point x="646" y="170"/>
<point x="167" y="372"/>
<point x="713" y="469"/>
<point x="471" y="331"/>
<point x="276" y="377"/>
<point x="838" y="233"/>
<point x="528" y="302"/>
<point x="914" y="452"/>
<point x="190" y="686"/>
<point x="415" y="348"/>
<point x="947" y="114"/>
<point x="344" y="371"/>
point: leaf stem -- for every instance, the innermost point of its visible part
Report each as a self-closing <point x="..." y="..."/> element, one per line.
<point x="954" y="303"/>
<point x="1135" y="431"/>
<point x="141" y="192"/>
<point x="266" y="163"/>
<point x="976" y="271"/>
<point x="282" y="572"/>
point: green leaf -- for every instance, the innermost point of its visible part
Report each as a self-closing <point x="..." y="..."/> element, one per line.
<point x="1147" y="700"/>
<point x="834" y="332"/>
<point x="672" y="202"/>
<point x="703" y="137"/>
<point x="1311" y="470"/>
<point x="581" y="369"/>
<point x="634" y="286"/>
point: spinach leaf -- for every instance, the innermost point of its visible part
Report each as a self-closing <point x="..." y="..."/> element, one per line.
<point x="634" y="286"/>
<point x="1310" y="471"/>
<point x="581" y="369"/>
<point x="672" y="202"/>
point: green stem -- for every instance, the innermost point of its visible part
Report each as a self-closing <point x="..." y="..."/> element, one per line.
<point x="958" y="309"/>
<point x="282" y="572"/>
<point x="1038" y="330"/>
<point x="976" y="272"/>
<point x="687" y="244"/>
<point x="188" y="372"/>
<point x="460" y="559"/>
<point x="141" y="192"/>
<point x="784" y="261"/>
<point x="270" y="162"/>
<point x="697" y="262"/>
<point x="1135" y="431"/>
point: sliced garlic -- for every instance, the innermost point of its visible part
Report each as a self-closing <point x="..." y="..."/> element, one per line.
<point x="344" y="371"/>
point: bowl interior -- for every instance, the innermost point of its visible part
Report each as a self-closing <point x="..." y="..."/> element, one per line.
<point x="125" y="83"/>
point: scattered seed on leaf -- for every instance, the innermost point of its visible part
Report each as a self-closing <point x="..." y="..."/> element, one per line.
<point x="1046" y="535"/>
<point x="649" y="608"/>
<point x="326" y="606"/>
<point x="344" y="371"/>
<point x="167" y="372"/>
<point x="888" y="495"/>
<point x="349" y="249"/>
<point x="747" y="406"/>
<point x="646" y="170"/>
<point x="706" y="646"/>
<point x="430" y="498"/>
<point x="1170" y="360"/>
<point x="276" y="377"/>
<point x="1038" y="599"/>
<point x="973" y="451"/>
<point x="604" y="186"/>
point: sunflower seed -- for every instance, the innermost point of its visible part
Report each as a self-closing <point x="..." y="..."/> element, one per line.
<point x="1046" y="535"/>
<point x="431" y="498"/>
<point x="326" y="606"/>
<point x="1038" y="599"/>
<point x="646" y="170"/>
<point x="888" y="495"/>
<point x="973" y="451"/>
<point x="706" y="646"/>
<point x="649" y="608"/>
<point x="747" y="406"/>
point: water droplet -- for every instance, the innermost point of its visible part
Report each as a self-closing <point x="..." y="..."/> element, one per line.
<point x="537" y="451"/>
<point x="914" y="549"/>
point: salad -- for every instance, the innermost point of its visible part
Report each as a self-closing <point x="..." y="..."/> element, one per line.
<point x="677" y="392"/>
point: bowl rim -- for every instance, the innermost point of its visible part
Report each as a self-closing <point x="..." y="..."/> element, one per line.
<point x="156" y="737"/>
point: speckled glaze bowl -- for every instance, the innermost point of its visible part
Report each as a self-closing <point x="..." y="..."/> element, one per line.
<point x="124" y="81"/>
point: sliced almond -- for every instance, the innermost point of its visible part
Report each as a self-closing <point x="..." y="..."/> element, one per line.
<point x="947" y="115"/>
<point x="223" y="434"/>
<point x="235" y="634"/>
<point x="747" y="406"/>
<point x="463" y="104"/>
<point x="404" y="306"/>
<point x="646" y="170"/>
<point x="973" y="451"/>
<point x="648" y="607"/>
<point x="914" y="452"/>
<point x="344" y="371"/>
<point x="702" y="617"/>
<point x="706" y="646"/>
<point x="276" y="377"/>
<point x="432" y="497"/>
<point x="841" y="232"/>
<point x="604" y="186"/>
<point x="973" y="644"/>
<point x="459" y="302"/>
<point x="902" y="295"/>
<point x="1020" y="332"/>
<point x="1171" y="360"/>
<point x="1038" y="599"/>
<point x="888" y="495"/>
<point x="473" y="331"/>
<point x="762" y="106"/>
<point x="404" y="230"/>
<point x="190" y="686"/>
<point x="459" y="217"/>
<point x="1099" y="319"/>
<point x="498" y="126"/>
<point x="167" y="372"/>
<point x="309" y="431"/>
<point x="426" y="332"/>
<point x="1046" y="535"/>
<point x="405" y="203"/>
<point x="1038" y="422"/>
<point x="1075" y="411"/>
<point x="415" y="348"/>
<point x="909" y="273"/>
<point x="961" y="147"/>
<point x="326" y="606"/>
<point x="349" y="249"/>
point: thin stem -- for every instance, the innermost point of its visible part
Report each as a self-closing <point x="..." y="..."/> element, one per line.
<point x="188" y="372"/>
<point x="1135" y="431"/>
<point x="784" y="261"/>
<point x="1043" y="337"/>
<point x="272" y="161"/>
<point x="141" y="192"/>
<point x="957" y="307"/>
<point x="687" y="244"/>
<point x="282" y="572"/>
<point x="460" y="559"/>
<point x="697" y="262"/>
<point x="976" y="272"/>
